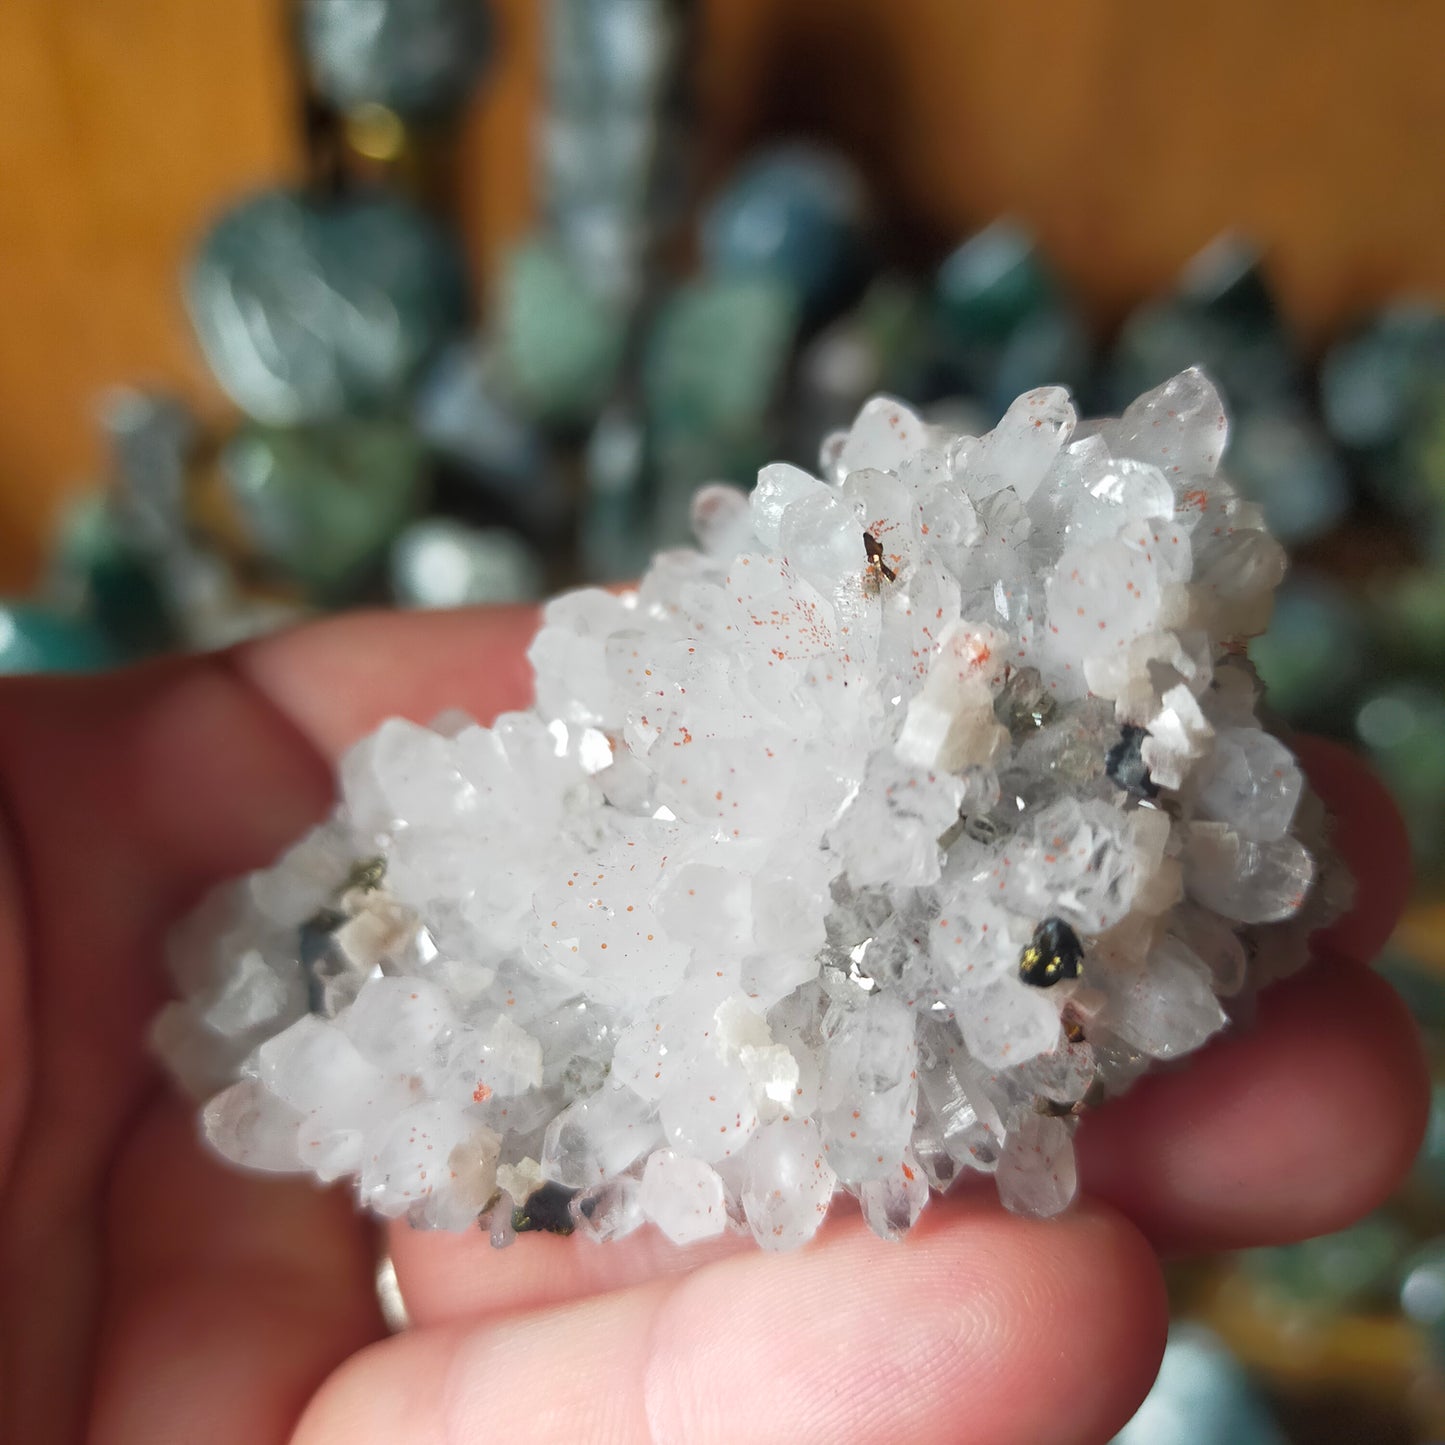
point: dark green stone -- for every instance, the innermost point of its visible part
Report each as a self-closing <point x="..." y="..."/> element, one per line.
<point x="98" y="571"/>
<point x="1050" y="347"/>
<point x="321" y="504"/>
<point x="795" y="214"/>
<point x="1227" y="280"/>
<point x="1222" y="317"/>
<point x="311" y="308"/>
<point x="38" y="638"/>
<point x="991" y="283"/>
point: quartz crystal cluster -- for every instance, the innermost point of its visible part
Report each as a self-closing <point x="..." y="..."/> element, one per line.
<point x="859" y="850"/>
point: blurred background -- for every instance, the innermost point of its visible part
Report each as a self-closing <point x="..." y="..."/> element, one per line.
<point x="316" y="303"/>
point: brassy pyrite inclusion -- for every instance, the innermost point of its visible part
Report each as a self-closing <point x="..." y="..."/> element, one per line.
<point x="917" y="810"/>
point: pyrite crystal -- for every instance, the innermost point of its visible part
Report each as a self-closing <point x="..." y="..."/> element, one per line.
<point x="854" y="850"/>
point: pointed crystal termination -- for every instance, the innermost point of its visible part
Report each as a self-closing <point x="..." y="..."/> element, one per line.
<point x="923" y="806"/>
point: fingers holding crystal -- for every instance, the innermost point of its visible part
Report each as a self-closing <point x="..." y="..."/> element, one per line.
<point x="338" y="679"/>
<point x="1369" y="834"/>
<point x="1008" y="1330"/>
<point x="1293" y="1127"/>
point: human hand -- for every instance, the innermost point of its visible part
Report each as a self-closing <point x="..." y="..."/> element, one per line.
<point x="150" y="1294"/>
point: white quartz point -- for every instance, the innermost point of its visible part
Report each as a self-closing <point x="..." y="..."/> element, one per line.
<point x="1251" y="882"/>
<point x="596" y="1137"/>
<point x="884" y="435"/>
<point x="1037" y="1174"/>
<point x="1022" y="447"/>
<point x="1101" y="597"/>
<point x="251" y="1126"/>
<point x="721" y="520"/>
<point x="892" y="1203"/>
<point x="1251" y="782"/>
<point x="683" y="1197"/>
<point x="1180" y="427"/>
<point x="1167" y="1006"/>
<point x="608" y="1211"/>
<point x="788" y="1184"/>
<point x="779" y="487"/>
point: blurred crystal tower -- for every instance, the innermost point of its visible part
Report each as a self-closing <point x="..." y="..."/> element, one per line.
<point x="616" y="135"/>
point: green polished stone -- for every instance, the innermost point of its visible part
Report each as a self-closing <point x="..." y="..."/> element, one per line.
<point x="97" y="570"/>
<point x="712" y="373"/>
<point x="1050" y="347"/>
<point x="1351" y="1269"/>
<point x="991" y="283"/>
<point x="795" y="214"/>
<point x="310" y="308"/>
<point x="35" y="637"/>
<point x="560" y="340"/>
<point x="321" y="504"/>
<point x="1221" y="316"/>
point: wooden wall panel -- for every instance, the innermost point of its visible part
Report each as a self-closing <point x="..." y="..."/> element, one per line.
<point x="1126" y="132"/>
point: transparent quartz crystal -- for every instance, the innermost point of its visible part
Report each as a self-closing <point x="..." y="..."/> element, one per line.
<point x="863" y="849"/>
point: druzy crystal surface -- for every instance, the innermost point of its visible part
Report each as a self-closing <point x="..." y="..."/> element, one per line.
<point x="861" y="849"/>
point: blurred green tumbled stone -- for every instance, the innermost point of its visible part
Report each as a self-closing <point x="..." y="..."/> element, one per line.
<point x="38" y="638"/>
<point x="993" y="281"/>
<point x="1222" y="316"/>
<point x="1282" y="460"/>
<point x="1403" y="726"/>
<point x="712" y="370"/>
<point x="1371" y="382"/>
<point x="796" y="214"/>
<point x="321" y="504"/>
<point x="1351" y="1269"/>
<point x="560" y="340"/>
<point x="97" y="570"/>
<point x="311" y="308"/>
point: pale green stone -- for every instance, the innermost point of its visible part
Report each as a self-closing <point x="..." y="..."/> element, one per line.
<point x="560" y="341"/>
<point x="321" y="504"/>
